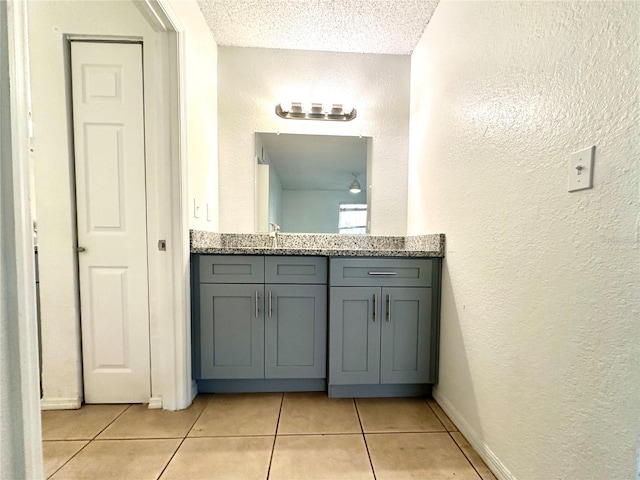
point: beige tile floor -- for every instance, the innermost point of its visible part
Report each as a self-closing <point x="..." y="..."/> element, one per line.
<point x="291" y="436"/>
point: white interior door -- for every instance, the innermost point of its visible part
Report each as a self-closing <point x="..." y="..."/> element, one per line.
<point x="111" y="220"/>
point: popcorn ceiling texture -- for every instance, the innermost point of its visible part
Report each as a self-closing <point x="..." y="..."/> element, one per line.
<point x="540" y="335"/>
<point x="363" y="26"/>
<point x="318" y="244"/>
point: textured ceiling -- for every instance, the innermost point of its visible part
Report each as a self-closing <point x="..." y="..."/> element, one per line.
<point x="363" y="26"/>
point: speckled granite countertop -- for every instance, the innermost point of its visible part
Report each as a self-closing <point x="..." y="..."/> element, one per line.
<point x="330" y="245"/>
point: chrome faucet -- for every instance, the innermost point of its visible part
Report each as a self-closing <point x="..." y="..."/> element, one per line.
<point x="274" y="235"/>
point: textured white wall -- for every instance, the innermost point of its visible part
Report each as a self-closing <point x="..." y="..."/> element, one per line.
<point x="539" y="356"/>
<point x="201" y="63"/>
<point x="252" y="81"/>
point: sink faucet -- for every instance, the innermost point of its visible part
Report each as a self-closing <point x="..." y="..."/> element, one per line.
<point x="274" y="235"/>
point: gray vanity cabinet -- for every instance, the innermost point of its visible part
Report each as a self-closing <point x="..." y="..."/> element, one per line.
<point x="231" y="331"/>
<point x="354" y="338"/>
<point x="295" y="331"/>
<point x="382" y="325"/>
<point x="406" y="335"/>
<point x="260" y="318"/>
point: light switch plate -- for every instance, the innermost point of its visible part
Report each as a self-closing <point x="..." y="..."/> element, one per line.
<point x="581" y="169"/>
<point x="196" y="209"/>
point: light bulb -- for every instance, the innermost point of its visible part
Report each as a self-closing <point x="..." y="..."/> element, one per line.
<point x="327" y="107"/>
<point x="285" y="106"/>
<point x="307" y="107"/>
<point x="347" y="108"/>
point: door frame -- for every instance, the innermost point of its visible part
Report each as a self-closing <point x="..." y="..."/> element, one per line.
<point x="25" y="453"/>
<point x="169" y="287"/>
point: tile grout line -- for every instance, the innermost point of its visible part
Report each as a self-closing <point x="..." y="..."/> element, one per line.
<point x="110" y="423"/>
<point x="199" y="415"/>
<point x="70" y="458"/>
<point x="171" y="458"/>
<point x="89" y="441"/>
<point x="410" y="432"/>
<point x="364" y="437"/>
<point x="184" y="438"/>
<point x="465" y="456"/>
<point x="454" y="441"/>
<point x="275" y="437"/>
<point x="436" y="415"/>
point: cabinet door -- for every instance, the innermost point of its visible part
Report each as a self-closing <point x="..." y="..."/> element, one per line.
<point x="295" y="331"/>
<point x="406" y="335"/>
<point x="231" y="331"/>
<point x="354" y="335"/>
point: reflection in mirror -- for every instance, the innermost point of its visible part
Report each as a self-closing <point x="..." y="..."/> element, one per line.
<point x="304" y="183"/>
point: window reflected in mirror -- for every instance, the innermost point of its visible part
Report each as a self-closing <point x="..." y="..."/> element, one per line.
<point x="352" y="218"/>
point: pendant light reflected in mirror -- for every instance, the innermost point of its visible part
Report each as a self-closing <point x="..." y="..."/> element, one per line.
<point x="355" y="185"/>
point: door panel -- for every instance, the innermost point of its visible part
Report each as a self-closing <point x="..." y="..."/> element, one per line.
<point x="406" y="335"/>
<point x="108" y="120"/>
<point x="108" y="343"/>
<point x="103" y="182"/>
<point x="296" y="331"/>
<point x="231" y="331"/>
<point x="354" y="335"/>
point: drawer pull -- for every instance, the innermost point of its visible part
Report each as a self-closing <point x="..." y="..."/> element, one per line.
<point x="270" y="305"/>
<point x="373" y="274"/>
<point x="388" y="308"/>
<point x="257" y="304"/>
<point x="375" y="306"/>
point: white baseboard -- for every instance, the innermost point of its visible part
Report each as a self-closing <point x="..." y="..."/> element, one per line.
<point x="490" y="458"/>
<point x="60" y="403"/>
<point x="155" y="403"/>
<point x="194" y="390"/>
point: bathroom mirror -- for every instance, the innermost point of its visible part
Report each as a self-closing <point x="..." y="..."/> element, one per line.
<point x="303" y="183"/>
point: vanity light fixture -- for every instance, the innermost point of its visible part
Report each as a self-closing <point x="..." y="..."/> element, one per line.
<point x="316" y="111"/>
<point x="355" y="185"/>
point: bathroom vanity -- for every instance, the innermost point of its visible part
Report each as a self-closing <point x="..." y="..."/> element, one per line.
<point x="340" y="313"/>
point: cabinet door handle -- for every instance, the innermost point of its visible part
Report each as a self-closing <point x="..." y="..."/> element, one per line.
<point x="270" y="305"/>
<point x="257" y="304"/>
<point x="375" y="306"/>
<point x="382" y="273"/>
<point x="388" y="308"/>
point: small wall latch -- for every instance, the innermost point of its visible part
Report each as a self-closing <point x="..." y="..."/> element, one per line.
<point x="162" y="245"/>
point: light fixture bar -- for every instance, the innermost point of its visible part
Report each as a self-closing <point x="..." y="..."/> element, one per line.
<point x="316" y="111"/>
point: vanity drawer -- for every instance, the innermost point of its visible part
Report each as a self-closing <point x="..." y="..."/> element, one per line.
<point x="295" y="270"/>
<point x="388" y="272"/>
<point x="231" y="269"/>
